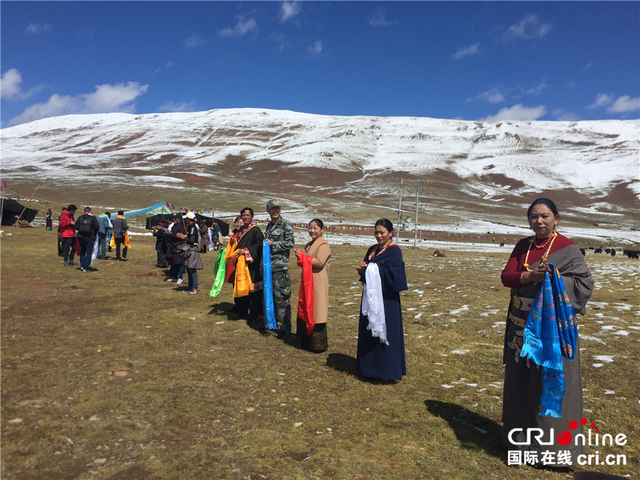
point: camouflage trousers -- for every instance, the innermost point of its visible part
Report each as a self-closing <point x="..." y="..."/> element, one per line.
<point x="281" y="298"/>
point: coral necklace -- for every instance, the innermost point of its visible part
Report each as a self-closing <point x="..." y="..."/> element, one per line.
<point x="376" y="252"/>
<point x="549" y="241"/>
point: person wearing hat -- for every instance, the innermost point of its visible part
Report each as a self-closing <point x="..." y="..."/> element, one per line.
<point x="174" y="238"/>
<point x="279" y="234"/>
<point x="193" y="262"/>
<point x="67" y="229"/>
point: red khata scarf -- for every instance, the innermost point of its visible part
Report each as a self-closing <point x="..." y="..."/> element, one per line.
<point x="305" y="294"/>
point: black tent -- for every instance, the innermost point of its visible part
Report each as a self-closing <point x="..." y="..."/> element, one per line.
<point x="13" y="209"/>
<point x="156" y="219"/>
<point x="163" y="217"/>
<point x="224" y="226"/>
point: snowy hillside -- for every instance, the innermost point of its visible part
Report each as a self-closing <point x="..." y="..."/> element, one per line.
<point x="491" y="161"/>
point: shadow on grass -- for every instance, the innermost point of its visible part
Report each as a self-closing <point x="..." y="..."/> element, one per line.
<point x="474" y="431"/>
<point x="342" y="363"/>
<point x="223" y="308"/>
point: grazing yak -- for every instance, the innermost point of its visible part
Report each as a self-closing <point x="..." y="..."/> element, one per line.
<point x="631" y="253"/>
<point x="583" y="252"/>
<point x="597" y="250"/>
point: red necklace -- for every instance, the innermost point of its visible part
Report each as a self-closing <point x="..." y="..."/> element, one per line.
<point x="377" y="252"/>
<point x="532" y="242"/>
<point x="543" y="244"/>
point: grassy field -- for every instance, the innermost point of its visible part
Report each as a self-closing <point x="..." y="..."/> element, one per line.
<point x="204" y="396"/>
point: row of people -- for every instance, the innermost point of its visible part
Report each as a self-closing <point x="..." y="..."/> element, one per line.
<point x="244" y="253"/>
<point x="380" y="337"/>
<point x="544" y="268"/>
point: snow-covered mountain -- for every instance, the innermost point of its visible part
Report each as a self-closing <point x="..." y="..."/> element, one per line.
<point x="590" y="165"/>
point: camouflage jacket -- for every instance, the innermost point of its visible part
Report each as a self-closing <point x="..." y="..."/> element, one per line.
<point x="282" y="240"/>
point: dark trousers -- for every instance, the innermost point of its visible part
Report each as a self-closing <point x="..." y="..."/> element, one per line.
<point x="86" y="249"/>
<point x="119" y="242"/>
<point x="250" y="307"/>
<point x="161" y="257"/>
<point x="177" y="271"/>
<point x="193" y="278"/>
<point x="68" y="248"/>
<point x="102" y="246"/>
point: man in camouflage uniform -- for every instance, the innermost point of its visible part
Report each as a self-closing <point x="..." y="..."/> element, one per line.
<point x="279" y="234"/>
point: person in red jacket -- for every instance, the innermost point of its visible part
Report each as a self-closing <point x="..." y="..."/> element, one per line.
<point x="68" y="235"/>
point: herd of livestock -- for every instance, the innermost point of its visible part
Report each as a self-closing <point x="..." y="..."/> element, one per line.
<point x="612" y="252"/>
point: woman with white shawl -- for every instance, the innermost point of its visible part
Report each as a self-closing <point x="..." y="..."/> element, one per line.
<point x="380" y="335"/>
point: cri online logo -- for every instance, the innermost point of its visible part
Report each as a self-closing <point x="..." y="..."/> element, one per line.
<point x="565" y="438"/>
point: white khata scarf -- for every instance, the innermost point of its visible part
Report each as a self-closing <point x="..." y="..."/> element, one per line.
<point x="372" y="304"/>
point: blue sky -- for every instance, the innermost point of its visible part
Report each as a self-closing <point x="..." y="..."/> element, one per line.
<point x="456" y="60"/>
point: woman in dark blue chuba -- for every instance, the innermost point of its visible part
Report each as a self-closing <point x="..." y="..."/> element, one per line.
<point x="380" y="334"/>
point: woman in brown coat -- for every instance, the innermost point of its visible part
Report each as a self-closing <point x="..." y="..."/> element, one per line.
<point x="318" y="249"/>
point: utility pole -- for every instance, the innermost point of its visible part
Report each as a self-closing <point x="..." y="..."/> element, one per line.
<point x="415" y="233"/>
<point x="400" y="204"/>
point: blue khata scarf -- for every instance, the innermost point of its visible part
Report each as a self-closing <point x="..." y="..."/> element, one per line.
<point x="267" y="287"/>
<point x="551" y="333"/>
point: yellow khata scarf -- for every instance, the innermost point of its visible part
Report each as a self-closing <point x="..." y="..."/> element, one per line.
<point x="126" y="243"/>
<point x="242" y="285"/>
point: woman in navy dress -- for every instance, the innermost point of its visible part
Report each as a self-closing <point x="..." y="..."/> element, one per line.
<point x="377" y="359"/>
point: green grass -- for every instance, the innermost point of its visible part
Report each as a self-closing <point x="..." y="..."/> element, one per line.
<point x="204" y="399"/>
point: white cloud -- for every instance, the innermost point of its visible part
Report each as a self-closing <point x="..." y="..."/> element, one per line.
<point x="288" y="10"/>
<point x="537" y="90"/>
<point x="491" y="96"/>
<point x="602" y="100"/>
<point x="528" y="28"/>
<point x="464" y="52"/>
<point x="37" y="28"/>
<point x="518" y="112"/>
<point x="316" y="48"/>
<point x="168" y="65"/>
<point x="112" y="98"/>
<point x="624" y="104"/>
<point x="242" y="27"/>
<point x="563" y="116"/>
<point x="172" y="106"/>
<point x="107" y="98"/>
<point x="568" y="117"/>
<point x="10" y="88"/>
<point x="615" y="105"/>
<point x="10" y="84"/>
<point x="194" y="41"/>
<point x="378" y="19"/>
